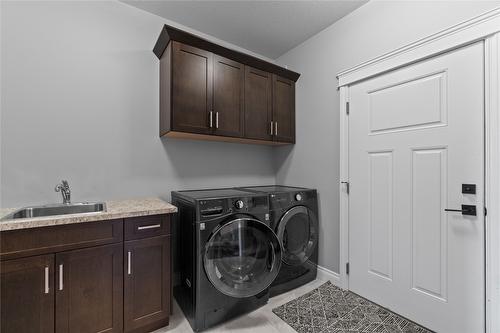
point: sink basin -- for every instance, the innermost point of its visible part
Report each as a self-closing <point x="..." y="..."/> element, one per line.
<point x="57" y="209"/>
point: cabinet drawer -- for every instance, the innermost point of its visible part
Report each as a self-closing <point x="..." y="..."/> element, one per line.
<point x="147" y="226"/>
<point x="28" y="242"/>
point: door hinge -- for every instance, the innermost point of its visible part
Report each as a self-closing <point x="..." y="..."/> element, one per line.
<point x="347" y="187"/>
<point x="347" y="108"/>
<point x="347" y="268"/>
<point x="485" y="211"/>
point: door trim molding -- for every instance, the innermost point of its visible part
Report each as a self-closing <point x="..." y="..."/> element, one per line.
<point x="484" y="28"/>
<point x="492" y="182"/>
<point x="477" y="28"/>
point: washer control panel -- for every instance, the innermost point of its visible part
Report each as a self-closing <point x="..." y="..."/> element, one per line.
<point x="211" y="208"/>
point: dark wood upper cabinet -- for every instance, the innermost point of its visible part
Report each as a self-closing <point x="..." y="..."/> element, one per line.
<point x="89" y="290"/>
<point x="228" y="97"/>
<point x="27" y="295"/>
<point x="209" y="92"/>
<point x="258" y="104"/>
<point x="191" y="89"/>
<point x="147" y="283"/>
<point x="283" y="109"/>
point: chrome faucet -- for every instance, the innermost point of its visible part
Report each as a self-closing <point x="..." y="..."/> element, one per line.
<point x="65" y="191"/>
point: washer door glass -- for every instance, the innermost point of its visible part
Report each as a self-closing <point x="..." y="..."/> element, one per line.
<point x="242" y="258"/>
<point x="298" y="233"/>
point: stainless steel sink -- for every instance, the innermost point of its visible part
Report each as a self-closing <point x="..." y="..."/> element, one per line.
<point x="57" y="209"/>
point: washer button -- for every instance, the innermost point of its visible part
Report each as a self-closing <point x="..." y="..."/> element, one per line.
<point x="298" y="197"/>
<point x="239" y="204"/>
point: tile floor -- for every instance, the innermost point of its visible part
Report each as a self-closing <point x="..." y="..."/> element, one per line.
<point x="262" y="320"/>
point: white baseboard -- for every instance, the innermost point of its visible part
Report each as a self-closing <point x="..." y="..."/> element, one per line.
<point x="326" y="274"/>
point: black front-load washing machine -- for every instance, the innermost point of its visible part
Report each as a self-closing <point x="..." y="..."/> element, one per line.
<point x="294" y="218"/>
<point x="225" y="254"/>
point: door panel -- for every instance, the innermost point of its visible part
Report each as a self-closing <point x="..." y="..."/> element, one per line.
<point x="258" y="104"/>
<point x="284" y="109"/>
<point x="381" y="217"/>
<point x="147" y="282"/>
<point x="429" y="232"/>
<point x="415" y="136"/>
<point x="89" y="296"/>
<point x="192" y="89"/>
<point x="27" y="295"/>
<point x="228" y="97"/>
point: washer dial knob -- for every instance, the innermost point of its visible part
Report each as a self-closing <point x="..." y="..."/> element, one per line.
<point x="239" y="204"/>
<point x="298" y="197"/>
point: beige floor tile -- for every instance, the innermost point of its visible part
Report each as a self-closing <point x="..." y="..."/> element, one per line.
<point x="262" y="320"/>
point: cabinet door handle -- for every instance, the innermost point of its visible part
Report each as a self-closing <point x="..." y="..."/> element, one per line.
<point x="271" y="128"/>
<point x="145" y="227"/>
<point x="129" y="262"/>
<point x="61" y="275"/>
<point x="211" y="121"/>
<point x="276" y="128"/>
<point x="217" y="119"/>
<point x="46" y="279"/>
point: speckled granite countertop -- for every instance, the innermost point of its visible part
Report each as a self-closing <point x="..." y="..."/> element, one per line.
<point x="114" y="210"/>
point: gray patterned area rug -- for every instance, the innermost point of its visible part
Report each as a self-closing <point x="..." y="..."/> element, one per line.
<point x="329" y="309"/>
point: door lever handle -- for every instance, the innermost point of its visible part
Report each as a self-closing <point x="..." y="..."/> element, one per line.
<point x="466" y="210"/>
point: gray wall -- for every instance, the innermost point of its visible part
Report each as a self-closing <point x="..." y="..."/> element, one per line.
<point x="79" y="100"/>
<point x="373" y="29"/>
<point x="79" y="86"/>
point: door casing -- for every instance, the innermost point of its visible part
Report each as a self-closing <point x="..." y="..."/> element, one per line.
<point x="485" y="27"/>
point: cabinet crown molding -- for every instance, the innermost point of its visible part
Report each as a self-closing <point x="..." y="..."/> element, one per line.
<point x="169" y="33"/>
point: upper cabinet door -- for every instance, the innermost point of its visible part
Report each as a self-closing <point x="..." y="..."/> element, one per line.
<point x="191" y="89"/>
<point x="258" y="104"/>
<point x="284" y="109"/>
<point x="228" y="97"/>
<point x="89" y="290"/>
<point x="27" y="295"/>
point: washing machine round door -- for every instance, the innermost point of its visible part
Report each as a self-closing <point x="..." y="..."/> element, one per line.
<point x="242" y="257"/>
<point x="298" y="233"/>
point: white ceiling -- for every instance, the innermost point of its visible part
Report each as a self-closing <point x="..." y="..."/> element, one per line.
<point x="269" y="28"/>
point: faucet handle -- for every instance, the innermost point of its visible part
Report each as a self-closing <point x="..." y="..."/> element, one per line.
<point x="65" y="191"/>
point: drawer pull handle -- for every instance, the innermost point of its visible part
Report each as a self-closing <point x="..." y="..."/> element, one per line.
<point x="46" y="279"/>
<point x="129" y="263"/>
<point x="61" y="286"/>
<point x="145" y="227"/>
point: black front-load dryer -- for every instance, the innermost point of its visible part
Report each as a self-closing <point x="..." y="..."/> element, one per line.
<point x="225" y="254"/>
<point x="294" y="218"/>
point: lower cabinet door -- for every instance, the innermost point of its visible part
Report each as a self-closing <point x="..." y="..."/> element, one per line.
<point x="27" y="295"/>
<point x="89" y="290"/>
<point x="147" y="283"/>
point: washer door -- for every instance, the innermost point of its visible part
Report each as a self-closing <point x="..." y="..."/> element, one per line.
<point x="242" y="258"/>
<point x="298" y="233"/>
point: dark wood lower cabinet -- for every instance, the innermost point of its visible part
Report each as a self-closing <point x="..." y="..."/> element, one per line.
<point x="27" y="295"/>
<point x="89" y="289"/>
<point x="89" y="296"/>
<point x="147" y="283"/>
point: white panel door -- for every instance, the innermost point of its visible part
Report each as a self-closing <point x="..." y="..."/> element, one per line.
<point x="415" y="136"/>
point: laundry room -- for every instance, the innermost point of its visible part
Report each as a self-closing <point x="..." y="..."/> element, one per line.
<point x="238" y="166"/>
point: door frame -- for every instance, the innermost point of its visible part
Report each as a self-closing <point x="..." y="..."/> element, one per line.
<point x="485" y="28"/>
